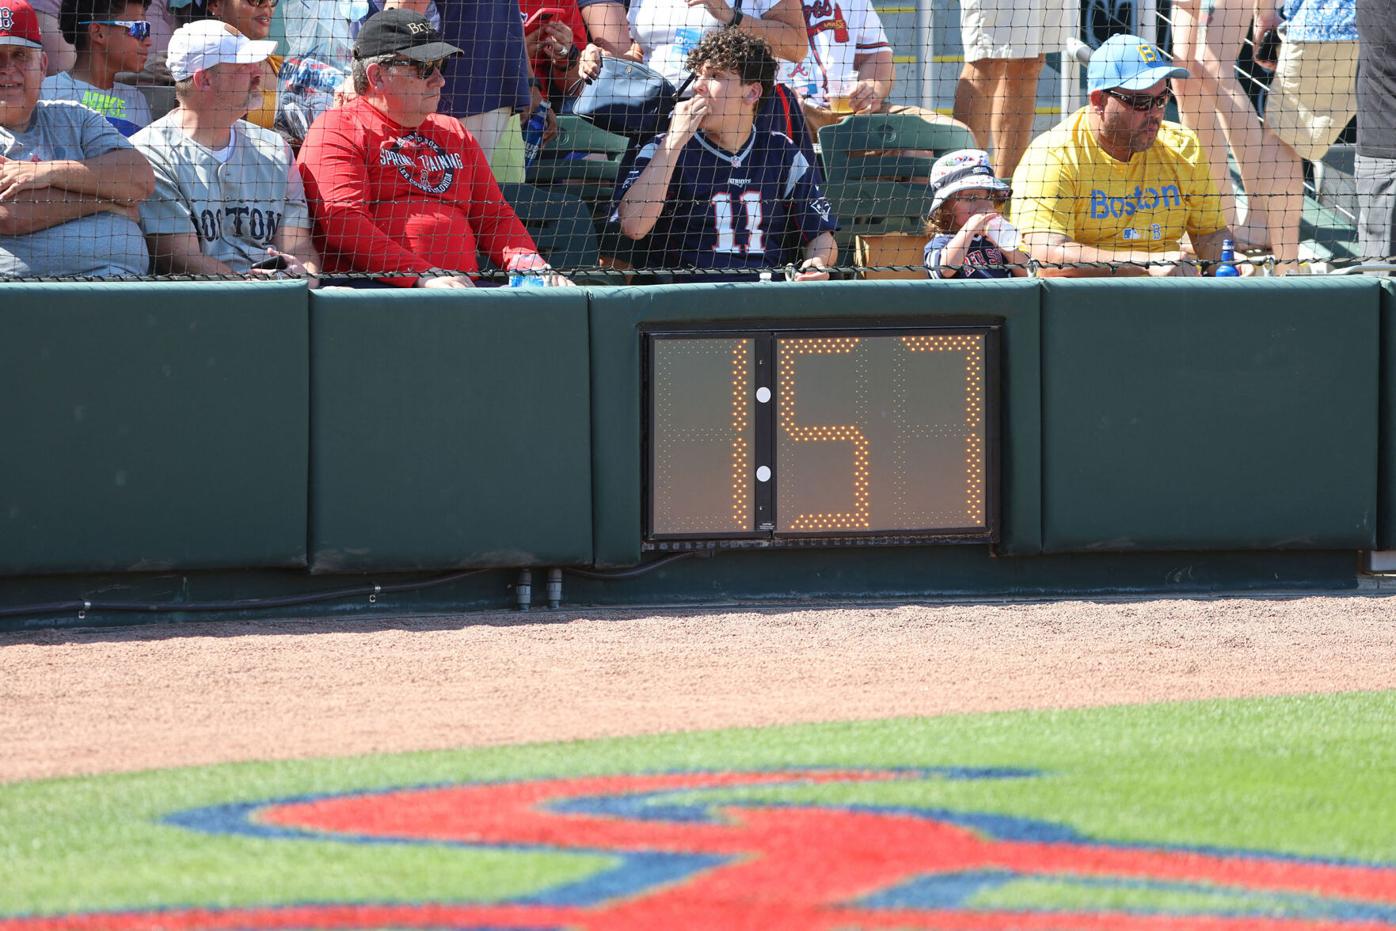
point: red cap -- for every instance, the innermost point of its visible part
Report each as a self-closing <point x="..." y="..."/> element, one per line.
<point x="18" y="24"/>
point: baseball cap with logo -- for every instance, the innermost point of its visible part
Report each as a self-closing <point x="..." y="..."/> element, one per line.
<point x="963" y="170"/>
<point x="403" y="32"/>
<point x="18" y="24"/>
<point x="1129" y="63"/>
<point x="208" y="42"/>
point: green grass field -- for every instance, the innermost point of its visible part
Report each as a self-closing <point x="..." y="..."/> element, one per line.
<point x="1305" y="777"/>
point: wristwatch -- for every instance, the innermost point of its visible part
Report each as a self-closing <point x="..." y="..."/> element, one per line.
<point x="736" y="18"/>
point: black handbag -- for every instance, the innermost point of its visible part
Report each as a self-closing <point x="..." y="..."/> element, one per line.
<point x="628" y="98"/>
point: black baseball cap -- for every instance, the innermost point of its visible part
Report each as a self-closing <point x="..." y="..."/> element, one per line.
<point x="402" y="32"/>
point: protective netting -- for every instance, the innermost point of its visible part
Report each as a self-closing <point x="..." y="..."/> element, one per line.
<point x="446" y="143"/>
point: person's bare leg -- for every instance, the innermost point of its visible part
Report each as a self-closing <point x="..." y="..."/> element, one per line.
<point x="1284" y="206"/>
<point x="1014" y="106"/>
<point x="973" y="93"/>
<point x="1196" y="102"/>
<point x="1272" y="176"/>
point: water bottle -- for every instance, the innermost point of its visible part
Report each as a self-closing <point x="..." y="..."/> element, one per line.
<point x="1226" y="268"/>
<point x="527" y="280"/>
<point x="533" y="133"/>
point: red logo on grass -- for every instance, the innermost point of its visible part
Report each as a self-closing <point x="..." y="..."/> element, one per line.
<point x="691" y="856"/>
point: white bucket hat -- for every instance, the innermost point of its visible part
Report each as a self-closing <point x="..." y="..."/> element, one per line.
<point x="963" y="170"/>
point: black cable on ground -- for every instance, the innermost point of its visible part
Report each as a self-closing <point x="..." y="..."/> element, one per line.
<point x="243" y="604"/>
<point x="639" y="570"/>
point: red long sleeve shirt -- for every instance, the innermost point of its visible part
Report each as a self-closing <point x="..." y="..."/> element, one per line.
<point x="391" y="199"/>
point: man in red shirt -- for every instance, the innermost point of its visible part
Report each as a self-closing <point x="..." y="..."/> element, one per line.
<point x="396" y="188"/>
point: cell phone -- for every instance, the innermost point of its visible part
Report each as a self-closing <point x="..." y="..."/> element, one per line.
<point x="275" y="263"/>
<point x="1268" y="51"/>
<point x="540" y="18"/>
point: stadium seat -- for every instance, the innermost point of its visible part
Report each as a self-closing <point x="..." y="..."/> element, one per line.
<point x="876" y="170"/>
<point x="867" y="208"/>
<point x="887" y="147"/>
<point x="560" y="225"/>
<point x="581" y="160"/>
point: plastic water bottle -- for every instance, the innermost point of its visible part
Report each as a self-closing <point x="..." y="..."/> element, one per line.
<point x="527" y="280"/>
<point x="533" y="133"/>
<point x="1227" y="267"/>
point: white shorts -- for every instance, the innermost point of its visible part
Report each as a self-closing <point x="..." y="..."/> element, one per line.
<point x="1017" y="28"/>
<point x="487" y="128"/>
<point x="1313" y="95"/>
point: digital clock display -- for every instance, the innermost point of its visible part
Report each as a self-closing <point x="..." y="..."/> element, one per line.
<point x="803" y="435"/>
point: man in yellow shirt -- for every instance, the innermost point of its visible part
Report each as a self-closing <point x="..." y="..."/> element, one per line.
<point x="1113" y="185"/>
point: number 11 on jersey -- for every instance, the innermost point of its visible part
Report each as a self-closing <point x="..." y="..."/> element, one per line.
<point x="724" y="220"/>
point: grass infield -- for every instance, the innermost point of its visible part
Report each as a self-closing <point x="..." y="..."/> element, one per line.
<point x="1305" y="778"/>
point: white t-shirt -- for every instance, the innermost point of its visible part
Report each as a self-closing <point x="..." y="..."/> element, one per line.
<point x="667" y="30"/>
<point x="839" y="31"/>
<point x="124" y="106"/>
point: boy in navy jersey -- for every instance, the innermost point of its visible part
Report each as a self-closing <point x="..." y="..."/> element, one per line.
<point x="716" y="194"/>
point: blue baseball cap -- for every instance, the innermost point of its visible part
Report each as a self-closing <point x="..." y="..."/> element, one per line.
<point x="1129" y="63"/>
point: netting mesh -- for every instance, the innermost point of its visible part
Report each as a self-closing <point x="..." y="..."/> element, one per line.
<point x="492" y="142"/>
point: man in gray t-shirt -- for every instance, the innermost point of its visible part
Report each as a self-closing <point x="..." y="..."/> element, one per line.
<point x="227" y="193"/>
<point x="69" y="182"/>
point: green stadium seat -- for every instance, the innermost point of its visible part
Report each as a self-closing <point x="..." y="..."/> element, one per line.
<point x="591" y="177"/>
<point x="876" y="170"/>
<point x="887" y="147"/>
<point x="872" y="207"/>
<point x="559" y="223"/>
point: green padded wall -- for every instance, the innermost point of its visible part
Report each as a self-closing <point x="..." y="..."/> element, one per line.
<point x="152" y="426"/>
<point x="1386" y="491"/>
<point x="1179" y="415"/>
<point x="449" y="429"/>
<point x="617" y="313"/>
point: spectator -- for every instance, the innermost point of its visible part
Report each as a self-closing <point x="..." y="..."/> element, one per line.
<point x="554" y="42"/>
<point x="1005" y="45"/>
<point x="1113" y="183"/>
<point x="849" y="68"/>
<point x="320" y="43"/>
<point x="396" y="187"/>
<point x="492" y="84"/>
<point x="1207" y="37"/>
<point x="227" y="193"/>
<point x="60" y="52"/>
<point x="110" y="36"/>
<point x="1376" y="128"/>
<point x="252" y="18"/>
<point x="716" y="196"/>
<point x="969" y="237"/>
<point x="1314" y="94"/>
<point x="163" y="22"/>
<point x="69" y="182"/>
<point x="664" y="32"/>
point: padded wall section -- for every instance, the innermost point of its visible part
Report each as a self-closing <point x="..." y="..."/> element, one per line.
<point x="152" y="426"/>
<point x="1210" y="415"/>
<point x="617" y="314"/>
<point x="1386" y="492"/>
<point x="449" y="429"/>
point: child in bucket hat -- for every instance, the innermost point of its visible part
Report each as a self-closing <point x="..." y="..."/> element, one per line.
<point x="969" y="236"/>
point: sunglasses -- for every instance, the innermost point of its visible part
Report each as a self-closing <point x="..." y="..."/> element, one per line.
<point x="137" y="28"/>
<point x="1142" y="103"/>
<point x="424" y="69"/>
